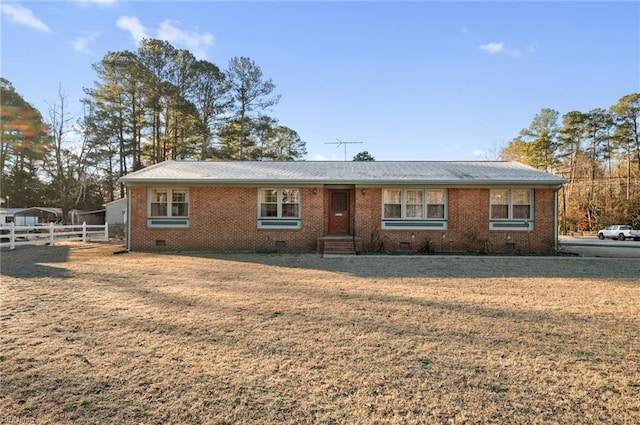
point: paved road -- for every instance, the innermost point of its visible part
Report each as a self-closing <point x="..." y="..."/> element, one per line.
<point x="593" y="247"/>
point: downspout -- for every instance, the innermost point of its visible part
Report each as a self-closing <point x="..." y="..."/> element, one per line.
<point x="353" y="231"/>
<point x="555" y="219"/>
<point x="128" y="219"/>
<point x="353" y="219"/>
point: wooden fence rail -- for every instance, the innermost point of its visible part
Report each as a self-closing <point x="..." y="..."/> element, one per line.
<point x="12" y="235"/>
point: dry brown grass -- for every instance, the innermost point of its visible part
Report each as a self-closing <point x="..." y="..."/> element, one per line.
<point x="91" y="337"/>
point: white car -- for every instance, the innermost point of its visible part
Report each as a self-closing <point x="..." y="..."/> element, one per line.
<point x="619" y="232"/>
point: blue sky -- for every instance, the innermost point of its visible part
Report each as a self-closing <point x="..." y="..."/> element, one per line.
<point x="410" y="80"/>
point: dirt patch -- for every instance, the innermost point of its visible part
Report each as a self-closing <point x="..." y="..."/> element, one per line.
<point x="92" y="337"/>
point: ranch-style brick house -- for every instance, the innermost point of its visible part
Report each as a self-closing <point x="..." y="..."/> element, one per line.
<point x="343" y="207"/>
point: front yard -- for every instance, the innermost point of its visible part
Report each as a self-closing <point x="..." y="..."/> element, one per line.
<point x="91" y="337"/>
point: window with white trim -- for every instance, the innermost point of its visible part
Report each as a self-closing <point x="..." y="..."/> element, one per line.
<point x="436" y="203"/>
<point x="163" y="202"/>
<point x="279" y="203"/>
<point x="511" y="204"/>
<point x="392" y="201"/>
<point x="413" y="204"/>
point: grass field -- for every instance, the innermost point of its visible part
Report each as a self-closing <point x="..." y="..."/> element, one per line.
<point x="91" y="337"/>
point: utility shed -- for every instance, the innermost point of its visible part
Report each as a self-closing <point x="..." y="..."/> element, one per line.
<point x="116" y="216"/>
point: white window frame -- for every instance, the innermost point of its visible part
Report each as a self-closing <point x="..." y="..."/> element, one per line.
<point x="425" y="204"/>
<point x="510" y="222"/>
<point x="279" y="221"/>
<point x="421" y="221"/>
<point x="171" y="218"/>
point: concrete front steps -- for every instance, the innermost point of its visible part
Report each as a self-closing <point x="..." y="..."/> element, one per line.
<point x="338" y="245"/>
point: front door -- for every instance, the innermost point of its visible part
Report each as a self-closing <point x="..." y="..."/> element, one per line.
<point x="339" y="218"/>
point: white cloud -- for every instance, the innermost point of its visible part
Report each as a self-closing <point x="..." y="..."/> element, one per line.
<point x="500" y="48"/>
<point x="196" y="43"/>
<point x="82" y="42"/>
<point x="492" y="48"/>
<point x="134" y="26"/>
<point x="96" y="2"/>
<point x="479" y="153"/>
<point x="21" y="15"/>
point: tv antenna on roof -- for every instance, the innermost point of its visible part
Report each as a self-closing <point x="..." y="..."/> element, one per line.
<point x="340" y="143"/>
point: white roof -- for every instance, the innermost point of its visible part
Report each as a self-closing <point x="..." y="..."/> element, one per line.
<point x="115" y="202"/>
<point x="452" y="173"/>
<point x="34" y="210"/>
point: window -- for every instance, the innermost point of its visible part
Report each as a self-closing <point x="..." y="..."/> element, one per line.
<point x="290" y="203"/>
<point x="158" y="202"/>
<point x="521" y="200"/>
<point x="435" y="203"/>
<point x="279" y="203"/>
<point x="511" y="204"/>
<point x="500" y="204"/>
<point x="392" y="200"/>
<point x="168" y="208"/>
<point x="168" y="203"/>
<point x="269" y="203"/>
<point x="414" y="204"/>
<point x="414" y="209"/>
<point x="179" y="204"/>
<point x="279" y="208"/>
<point x="511" y="209"/>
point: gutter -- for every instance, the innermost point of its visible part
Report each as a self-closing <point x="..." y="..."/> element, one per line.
<point x="128" y="220"/>
<point x="555" y="220"/>
<point x="556" y="239"/>
<point x="315" y="182"/>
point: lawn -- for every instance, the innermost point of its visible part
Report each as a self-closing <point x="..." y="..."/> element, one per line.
<point x="91" y="337"/>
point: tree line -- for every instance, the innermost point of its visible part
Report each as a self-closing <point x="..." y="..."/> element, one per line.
<point x="145" y="107"/>
<point x="597" y="153"/>
<point x="161" y="103"/>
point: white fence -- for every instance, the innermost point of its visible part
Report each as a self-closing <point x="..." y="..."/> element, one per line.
<point x="12" y="236"/>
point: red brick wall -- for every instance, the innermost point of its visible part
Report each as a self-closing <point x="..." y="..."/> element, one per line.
<point x="225" y="219"/>
<point x="468" y="226"/>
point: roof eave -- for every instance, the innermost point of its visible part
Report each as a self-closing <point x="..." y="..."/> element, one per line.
<point x="316" y="182"/>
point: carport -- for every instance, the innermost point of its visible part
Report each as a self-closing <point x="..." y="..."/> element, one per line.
<point x="37" y="215"/>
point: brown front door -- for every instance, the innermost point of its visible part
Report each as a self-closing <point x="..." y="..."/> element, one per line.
<point x="339" y="212"/>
